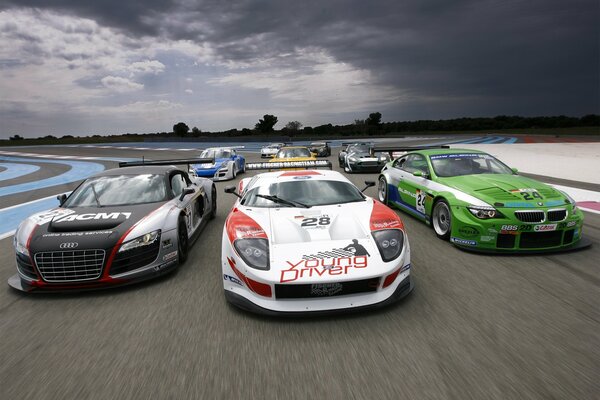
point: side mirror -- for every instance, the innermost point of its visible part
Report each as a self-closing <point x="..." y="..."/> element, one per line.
<point x="185" y="192"/>
<point x="231" y="189"/>
<point x="515" y="171"/>
<point x="369" y="184"/>
<point x="61" y="199"/>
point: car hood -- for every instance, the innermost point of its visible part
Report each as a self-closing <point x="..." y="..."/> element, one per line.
<point x="510" y="190"/>
<point x="292" y="159"/>
<point x="84" y="227"/>
<point x="216" y="164"/>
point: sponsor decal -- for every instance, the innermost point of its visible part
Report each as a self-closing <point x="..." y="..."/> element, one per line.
<point x="325" y="289"/>
<point x="492" y="230"/>
<point x="45" y="217"/>
<point x="232" y="279"/>
<point x="302" y="177"/>
<point x="407" y="192"/>
<point x="486" y="238"/>
<point x="78" y="234"/>
<point x="463" y="242"/>
<point x="509" y="229"/>
<point x="571" y="223"/>
<point x="519" y="204"/>
<point x="69" y="245"/>
<point x="544" y="228"/>
<point x="249" y="232"/>
<point x="385" y="224"/>
<point x="468" y="230"/>
<point x="420" y="196"/>
<point x="170" y="256"/>
<point x="463" y="155"/>
<point x="288" y="164"/>
<point x="92" y="216"/>
<point x="405" y="268"/>
<point x="329" y="267"/>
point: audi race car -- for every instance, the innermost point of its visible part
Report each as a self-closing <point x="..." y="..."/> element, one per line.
<point x="270" y="150"/>
<point x="228" y="163"/>
<point x="117" y="227"/>
<point x="478" y="203"/>
<point x="310" y="242"/>
<point x="359" y="157"/>
<point x="321" y="149"/>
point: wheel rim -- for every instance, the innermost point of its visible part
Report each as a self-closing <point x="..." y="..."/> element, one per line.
<point x="382" y="189"/>
<point x="441" y="219"/>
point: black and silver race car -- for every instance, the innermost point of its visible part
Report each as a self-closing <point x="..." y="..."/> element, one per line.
<point x="321" y="149"/>
<point x="119" y="226"/>
<point x="359" y="157"/>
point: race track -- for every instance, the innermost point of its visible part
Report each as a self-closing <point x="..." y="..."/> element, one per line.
<point x="476" y="326"/>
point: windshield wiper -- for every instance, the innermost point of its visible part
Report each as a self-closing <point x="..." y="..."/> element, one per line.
<point x="95" y="195"/>
<point x="279" y="200"/>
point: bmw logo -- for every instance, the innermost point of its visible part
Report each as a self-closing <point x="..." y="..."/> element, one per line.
<point x="540" y="203"/>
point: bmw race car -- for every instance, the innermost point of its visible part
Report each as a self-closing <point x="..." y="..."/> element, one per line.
<point x="228" y="163"/>
<point x="310" y="242"/>
<point x="478" y="203"/>
<point x="270" y="150"/>
<point x="117" y="227"/>
<point x="359" y="157"/>
<point x="321" y="149"/>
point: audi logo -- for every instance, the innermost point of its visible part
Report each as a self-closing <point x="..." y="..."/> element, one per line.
<point x="69" y="245"/>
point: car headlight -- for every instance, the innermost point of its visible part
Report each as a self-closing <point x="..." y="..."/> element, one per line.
<point x="144" y="240"/>
<point x="389" y="242"/>
<point x="254" y="252"/>
<point x="484" y="212"/>
<point x="352" y="159"/>
<point x="570" y="200"/>
<point x="19" y="247"/>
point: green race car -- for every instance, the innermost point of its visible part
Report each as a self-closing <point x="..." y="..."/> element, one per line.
<point x="478" y="203"/>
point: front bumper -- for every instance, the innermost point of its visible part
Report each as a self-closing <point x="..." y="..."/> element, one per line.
<point x="221" y="174"/>
<point x="360" y="166"/>
<point x="509" y="235"/>
<point x="403" y="289"/>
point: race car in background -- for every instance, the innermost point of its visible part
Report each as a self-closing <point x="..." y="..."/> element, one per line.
<point x="478" y="203"/>
<point x="270" y="150"/>
<point x="359" y="157"/>
<point x="309" y="241"/>
<point x="228" y="163"/>
<point x="117" y="227"/>
<point x="293" y="153"/>
<point x="321" y="149"/>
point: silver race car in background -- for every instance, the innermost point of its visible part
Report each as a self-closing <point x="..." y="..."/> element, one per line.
<point x="270" y="150"/>
<point x="359" y="157"/>
<point x="309" y="241"/>
<point x="119" y="226"/>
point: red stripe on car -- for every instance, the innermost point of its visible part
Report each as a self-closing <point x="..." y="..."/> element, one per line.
<point x="239" y="226"/>
<point x="383" y="217"/>
<point x="257" y="287"/>
<point x="299" y="173"/>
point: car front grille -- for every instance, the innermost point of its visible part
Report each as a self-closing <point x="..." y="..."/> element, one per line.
<point x="324" y="290"/>
<point x="68" y="266"/>
<point x="135" y="258"/>
<point x="531" y="216"/>
<point x="557" y="215"/>
<point x="540" y="240"/>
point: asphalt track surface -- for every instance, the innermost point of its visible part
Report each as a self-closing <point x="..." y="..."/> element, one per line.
<point x="476" y="326"/>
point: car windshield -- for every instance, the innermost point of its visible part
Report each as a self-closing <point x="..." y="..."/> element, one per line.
<point x="274" y="146"/>
<point x="307" y="192"/>
<point x="106" y="191"/>
<point x="359" y="148"/>
<point x="215" y="153"/>
<point x="446" y="165"/>
<point x="294" y="152"/>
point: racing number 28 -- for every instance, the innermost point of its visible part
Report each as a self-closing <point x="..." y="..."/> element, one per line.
<point x="315" y="221"/>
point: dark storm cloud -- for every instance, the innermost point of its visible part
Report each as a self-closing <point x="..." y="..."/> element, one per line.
<point x="448" y="58"/>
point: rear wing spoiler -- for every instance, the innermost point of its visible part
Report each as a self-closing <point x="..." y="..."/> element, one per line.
<point x="184" y="161"/>
<point x="311" y="164"/>
<point x="405" y="149"/>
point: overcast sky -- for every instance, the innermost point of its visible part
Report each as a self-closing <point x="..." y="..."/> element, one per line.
<point x="115" y="66"/>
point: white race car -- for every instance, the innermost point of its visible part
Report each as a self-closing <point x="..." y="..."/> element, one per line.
<point x="270" y="150"/>
<point x="310" y="242"/>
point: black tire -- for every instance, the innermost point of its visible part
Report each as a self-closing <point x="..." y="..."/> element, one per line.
<point x="382" y="190"/>
<point x="233" y="172"/>
<point x="213" y="202"/>
<point x="341" y="163"/>
<point x="244" y="168"/>
<point x="182" y="240"/>
<point x="441" y="219"/>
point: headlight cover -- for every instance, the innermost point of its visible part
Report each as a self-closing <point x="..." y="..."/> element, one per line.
<point x="389" y="242"/>
<point x="485" y="212"/>
<point x="144" y="240"/>
<point x="19" y="247"/>
<point x="254" y="252"/>
<point x="570" y="200"/>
